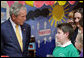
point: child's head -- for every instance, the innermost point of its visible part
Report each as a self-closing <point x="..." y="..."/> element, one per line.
<point x="78" y="14"/>
<point x="64" y="31"/>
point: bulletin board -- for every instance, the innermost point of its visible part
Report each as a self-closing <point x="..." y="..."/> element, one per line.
<point x="43" y="19"/>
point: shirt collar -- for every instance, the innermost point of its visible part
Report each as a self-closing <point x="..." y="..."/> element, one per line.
<point x="13" y="24"/>
<point x="66" y="44"/>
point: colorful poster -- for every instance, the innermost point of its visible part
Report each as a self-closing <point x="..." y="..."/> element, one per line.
<point x="3" y="14"/>
<point x="42" y="31"/>
<point x="43" y="22"/>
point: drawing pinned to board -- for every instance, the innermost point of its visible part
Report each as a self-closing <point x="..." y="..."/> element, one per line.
<point x="38" y="26"/>
<point x="3" y="14"/>
<point x="45" y="24"/>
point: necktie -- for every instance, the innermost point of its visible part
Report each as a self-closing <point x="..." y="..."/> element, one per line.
<point x="19" y="37"/>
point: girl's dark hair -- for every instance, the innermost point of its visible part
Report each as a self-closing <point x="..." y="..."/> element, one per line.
<point x="81" y="22"/>
<point x="80" y="10"/>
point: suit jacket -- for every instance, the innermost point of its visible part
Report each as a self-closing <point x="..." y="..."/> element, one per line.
<point x="9" y="43"/>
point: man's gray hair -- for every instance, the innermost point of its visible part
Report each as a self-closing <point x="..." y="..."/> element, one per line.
<point x="15" y="8"/>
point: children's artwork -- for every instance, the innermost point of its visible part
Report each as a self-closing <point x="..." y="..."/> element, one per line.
<point x="44" y="28"/>
<point x="3" y="14"/>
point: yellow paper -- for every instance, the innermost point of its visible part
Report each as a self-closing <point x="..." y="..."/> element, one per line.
<point x="30" y="3"/>
<point x="62" y="2"/>
<point x="81" y="1"/>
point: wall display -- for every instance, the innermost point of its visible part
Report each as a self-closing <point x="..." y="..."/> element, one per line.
<point x="44" y="28"/>
<point x="59" y="12"/>
<point x="44" y="43"/>
<point x="43" y="20"/>
<point x="43" y="32"/>
<point x="5" y="9"/>
<point x="3" y="15"/>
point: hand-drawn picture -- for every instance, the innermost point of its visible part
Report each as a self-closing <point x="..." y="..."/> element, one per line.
<point x="3" y="14"/>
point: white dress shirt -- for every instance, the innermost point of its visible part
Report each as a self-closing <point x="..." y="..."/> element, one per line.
<point x="13" y="24"/>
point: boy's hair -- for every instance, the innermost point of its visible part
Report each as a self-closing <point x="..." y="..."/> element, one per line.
<point x="81" y="22"/>
<point x="66" y="27"/>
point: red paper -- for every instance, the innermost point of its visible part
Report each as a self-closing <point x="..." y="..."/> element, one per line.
<point x="22" y="2"/>
<point x="10" y="3"/>
<point x="39" y="4"/>
<point x="49" y="2"/>
<point x="72" y="2"/>
<point x="4" y="56"/>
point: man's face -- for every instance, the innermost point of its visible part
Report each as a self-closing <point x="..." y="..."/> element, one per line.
<point x="21" y="18"/>
<point x="77" y="17"/>
<point x="60" y="35"/>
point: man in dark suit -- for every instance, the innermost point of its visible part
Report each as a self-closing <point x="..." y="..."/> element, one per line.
<point x="15" y="43"/>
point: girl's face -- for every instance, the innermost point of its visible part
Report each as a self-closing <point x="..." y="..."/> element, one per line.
<point x="77" y="17"/>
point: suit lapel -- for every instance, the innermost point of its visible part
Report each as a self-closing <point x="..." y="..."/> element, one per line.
<point x="13" y="34"/>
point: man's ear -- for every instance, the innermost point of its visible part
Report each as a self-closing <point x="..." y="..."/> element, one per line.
<point x="13" y="16"/>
